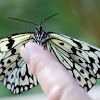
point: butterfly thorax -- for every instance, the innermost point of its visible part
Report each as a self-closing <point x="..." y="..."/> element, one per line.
<point x="40" y="36"/>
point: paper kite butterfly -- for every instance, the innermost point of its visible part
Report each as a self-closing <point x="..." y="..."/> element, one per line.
<point x="79" y="58"/>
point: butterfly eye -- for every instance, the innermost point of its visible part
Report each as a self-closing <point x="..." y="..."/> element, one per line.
<point x="40" y="28"/>
<point x="36" y="28"/>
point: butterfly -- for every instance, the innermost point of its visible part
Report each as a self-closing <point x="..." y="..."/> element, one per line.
<point x="80" y="59"/>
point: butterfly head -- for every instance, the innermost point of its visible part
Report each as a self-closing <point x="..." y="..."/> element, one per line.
<point x="39" y="29"/>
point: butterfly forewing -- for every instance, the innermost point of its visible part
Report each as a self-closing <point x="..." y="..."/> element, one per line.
<point x="13" y="70"/>
<point x="80" y="59"/>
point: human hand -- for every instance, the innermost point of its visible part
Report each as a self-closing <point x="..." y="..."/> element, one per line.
<point x="54" y="79"/>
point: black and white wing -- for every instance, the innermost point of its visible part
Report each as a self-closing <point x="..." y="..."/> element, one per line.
<point x="14" y="72"/>
<point x="80" y="59"/>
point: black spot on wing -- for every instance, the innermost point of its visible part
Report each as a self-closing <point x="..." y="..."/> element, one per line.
<point x="99" y="64"/>
<point x="11" y="42"/>
<point x="13" y="51"/>
<point x="19" y="74"/>
<point x="80" y="61"/>
<point x="9" y="69"/>
<point x="86" y="62"/>
<point x="99" y="59"/>
<point x="87" y="68"/>
<point x="9" y="61"/>
<point x="3" y="68"/>
<point x="6" y="76"/>
<point x="23" y="78"/>
<point x="79" y="45"/>
<point x="98" y="72"/>
<point x="82" y="71"/>
<point x="3" y="74"/>
<point x="91" y="60"/>
<point x="91" y="66"/>
<point x="92" y="49"/>
<point x="79" y="51"/>
<point x="12" y="76"/>
<point x="86" y="79"/>
<point x="73" y="50"/>
<point x="79" y="78"/>
<point x="90" y="75"/>
<point x="61" y="43"/>
<point x="2" y="62"/>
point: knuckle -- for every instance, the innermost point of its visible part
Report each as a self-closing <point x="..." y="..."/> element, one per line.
<point x="56" y="92"/>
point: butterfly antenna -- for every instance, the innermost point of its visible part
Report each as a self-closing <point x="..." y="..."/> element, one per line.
<point x="48" y="18"/>
<point x="23" y="21"/>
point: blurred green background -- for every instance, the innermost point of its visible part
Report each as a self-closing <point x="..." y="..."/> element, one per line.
<point x="76" y="18"/>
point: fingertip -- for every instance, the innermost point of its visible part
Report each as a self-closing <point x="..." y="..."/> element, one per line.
<point x="25" y="52"/>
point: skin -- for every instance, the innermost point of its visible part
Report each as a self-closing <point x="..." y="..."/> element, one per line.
<point x="53" y="78"/>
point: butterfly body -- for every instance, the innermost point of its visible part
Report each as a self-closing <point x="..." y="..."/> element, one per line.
<point x="40" y="36"/>
<point x="79" y="58"/>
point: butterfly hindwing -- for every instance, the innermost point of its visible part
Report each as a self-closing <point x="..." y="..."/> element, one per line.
<point x="13" y="70"/>
<point x="20" y="78"/>
<point x="81" y="59"/>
